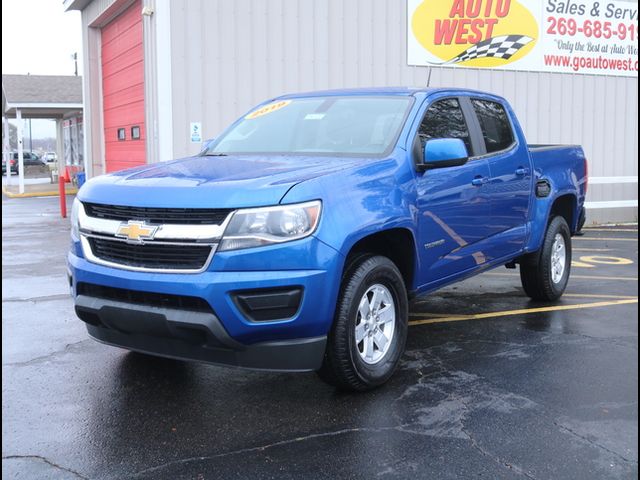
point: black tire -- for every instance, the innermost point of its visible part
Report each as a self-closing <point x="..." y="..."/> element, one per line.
<point x="343" y="365"/>
<point x="536" y="269"/>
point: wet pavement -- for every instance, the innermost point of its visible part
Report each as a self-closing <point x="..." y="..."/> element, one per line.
<point x="491" y="386"/>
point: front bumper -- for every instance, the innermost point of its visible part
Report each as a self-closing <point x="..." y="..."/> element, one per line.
<point x="225" y="334"/>
<point x="191" y="336"/>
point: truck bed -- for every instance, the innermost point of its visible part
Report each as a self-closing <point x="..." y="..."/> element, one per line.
<point x="560" y="162"/>
<point x="549" y="146"/>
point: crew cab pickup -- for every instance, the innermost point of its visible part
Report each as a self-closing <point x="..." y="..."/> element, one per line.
<point x="295" y="240"/>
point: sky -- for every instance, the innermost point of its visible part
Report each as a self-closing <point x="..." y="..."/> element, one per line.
<point x="39" y="37"/>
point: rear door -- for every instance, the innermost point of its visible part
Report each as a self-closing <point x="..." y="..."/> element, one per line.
<point x="511" y="177"/>
<point x="452" y="203"/>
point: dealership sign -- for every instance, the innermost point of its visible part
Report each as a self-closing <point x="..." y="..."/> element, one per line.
<point x="573" y="36"/>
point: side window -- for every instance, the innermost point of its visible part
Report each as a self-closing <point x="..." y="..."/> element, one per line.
<point x="495" y="125"/>
<point x="444" y="119"/>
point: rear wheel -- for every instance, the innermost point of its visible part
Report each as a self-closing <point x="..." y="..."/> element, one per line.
<point x="370" y="326"/>
<point x="545" y="274"/>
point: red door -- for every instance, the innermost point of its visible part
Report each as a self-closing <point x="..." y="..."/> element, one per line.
<point x="123" y="90"/>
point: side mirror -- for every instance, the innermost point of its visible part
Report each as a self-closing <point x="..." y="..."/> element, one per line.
<point x="443" y="152"/>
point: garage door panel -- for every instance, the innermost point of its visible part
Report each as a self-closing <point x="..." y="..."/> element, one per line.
<point x="125" y="115"/>
<point x="127" y="156"/>
<point x="123" y="153"/>
<point x="130" y="38"/>
<point x="131" y="17"/>
<point x="127" y="94"/>
<point x="130" y="58"/>
<point x="116" y="166"/>
<point x="124" y="97"/>
<point x="123" y="89"/>
<point x="123" y="80"/>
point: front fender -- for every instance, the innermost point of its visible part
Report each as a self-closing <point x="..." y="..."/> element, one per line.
<point x="371" y="198"/>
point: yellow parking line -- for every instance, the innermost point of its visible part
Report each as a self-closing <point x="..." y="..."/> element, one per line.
<point x="582" y="277"/>
<point x="426" y="318"/>
<point x="613" y="239"/>
<point x="610" y="230"/>
<point x="571" y="295"/>
<point x="438" y="315"/>
<point x="52" y="193"/>
<point x="595" y="295"/>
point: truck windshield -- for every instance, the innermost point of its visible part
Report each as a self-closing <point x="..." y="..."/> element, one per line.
<point x="351" y="126"/>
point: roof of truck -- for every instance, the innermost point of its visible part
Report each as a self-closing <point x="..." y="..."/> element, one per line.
<point x="376" y="91"/>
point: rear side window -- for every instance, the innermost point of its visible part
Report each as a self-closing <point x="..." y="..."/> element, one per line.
<point x="444" y="119"/>
<point x="495" y="125"/>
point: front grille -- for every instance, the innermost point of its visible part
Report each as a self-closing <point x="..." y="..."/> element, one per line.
<point x="175" y="216"/>
<point x="148" y="255"/>
<point x="164" y="300"/>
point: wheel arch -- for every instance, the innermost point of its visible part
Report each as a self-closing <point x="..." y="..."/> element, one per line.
<point x="565" y="206"/>
<point x="398" y="244"/>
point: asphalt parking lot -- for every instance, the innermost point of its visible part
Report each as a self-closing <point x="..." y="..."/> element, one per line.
<point x="492" y="385"/>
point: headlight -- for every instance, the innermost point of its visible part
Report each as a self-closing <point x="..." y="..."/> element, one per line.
<point x="75" y="226"/>
<point x="254" y="227"/>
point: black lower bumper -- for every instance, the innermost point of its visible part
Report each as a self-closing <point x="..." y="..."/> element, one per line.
<point x="191" y="335"/>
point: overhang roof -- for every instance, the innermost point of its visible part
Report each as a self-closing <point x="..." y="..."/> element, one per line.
<point x="41" y="96"/>
<point x="75" y="4"/>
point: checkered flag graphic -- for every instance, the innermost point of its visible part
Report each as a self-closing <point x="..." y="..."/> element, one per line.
<point x="503" y="47"/>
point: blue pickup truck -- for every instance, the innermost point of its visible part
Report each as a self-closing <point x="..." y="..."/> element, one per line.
<point x="296" y="239"/>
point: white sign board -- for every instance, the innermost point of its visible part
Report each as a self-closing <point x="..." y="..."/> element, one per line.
<point x="567" y="36"/>
<point x="195" y="130"/>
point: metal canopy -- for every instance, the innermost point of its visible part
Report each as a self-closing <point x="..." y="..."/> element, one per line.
<point x="41" y="96"/>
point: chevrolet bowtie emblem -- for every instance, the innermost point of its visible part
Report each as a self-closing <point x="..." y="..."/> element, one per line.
<point x="136" y="231"/>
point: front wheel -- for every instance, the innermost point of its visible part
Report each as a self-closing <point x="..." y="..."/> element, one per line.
<point x="370" y="327"/>
<point x="545" y="274"/>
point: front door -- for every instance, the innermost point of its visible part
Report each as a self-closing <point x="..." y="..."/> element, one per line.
<point x="452" y="202"/>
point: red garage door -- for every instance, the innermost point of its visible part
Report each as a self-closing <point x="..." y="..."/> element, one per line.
<point x="123" y="90"/>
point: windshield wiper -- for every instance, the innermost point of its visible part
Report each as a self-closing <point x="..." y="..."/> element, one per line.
<point x="216" y="154"/>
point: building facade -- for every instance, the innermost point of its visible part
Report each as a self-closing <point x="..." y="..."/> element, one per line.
<point x="156" y="69"/>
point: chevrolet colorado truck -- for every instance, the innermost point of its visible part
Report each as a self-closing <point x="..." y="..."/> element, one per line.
<point x="295" y="240"/>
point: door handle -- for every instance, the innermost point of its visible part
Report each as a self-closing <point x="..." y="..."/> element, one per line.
<point x="520" y="171"/>
<point x="479" y="181"/>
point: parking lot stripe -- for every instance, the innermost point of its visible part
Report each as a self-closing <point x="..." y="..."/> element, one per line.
<point x="583" y="277"/>
<point x="571" y="295"/>
<point x="604" y="239"/>
<point x="595" y="295"/>
<point x="591" y="249"/>
<point x="426" y="318"/>
<point x="610" y="230"/>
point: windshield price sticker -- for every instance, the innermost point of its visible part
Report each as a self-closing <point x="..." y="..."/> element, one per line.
<point x="269" y="108"/>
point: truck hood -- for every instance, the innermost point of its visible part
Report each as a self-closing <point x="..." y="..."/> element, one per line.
<point x="211" y="181"/>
